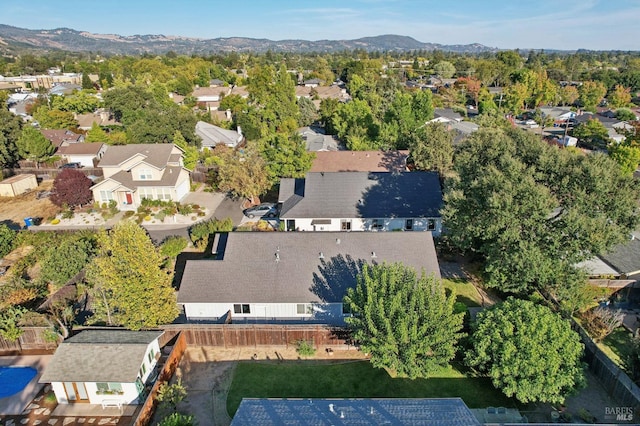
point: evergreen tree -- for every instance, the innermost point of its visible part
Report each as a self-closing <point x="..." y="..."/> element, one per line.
<point x="33" y="146"/>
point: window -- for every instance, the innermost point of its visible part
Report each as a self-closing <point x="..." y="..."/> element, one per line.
<point x="143" y="370"/>
<point x="408" y="225"/>
<point x="109" y="389"/>
<point x="241" y="308"/>
<point x="431" y="224"/>
<point x="146" y="193"/>
<point x="345" y="225"/>
<point x="164" y="194"/>
<point x="106" y="196"/>
<point x="304" y="308"/>
<point x="151" y="355"/>
<point x="377" y="224"/>
<point x="145" y="174"/>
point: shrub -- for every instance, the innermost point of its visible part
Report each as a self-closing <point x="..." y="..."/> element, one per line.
<point x="147" y="218"/>
<point x="305" y="348"/>
<point x="7" y="235"/>
<point x="128" y="213"/>
<point x="202" y="230"/>
<point x="71" y="187"/>
<point x="160" y="216"/>
<point x="67" y="214"/>
<point x="600" y="322"/>
<point x="185" y="209"/>
<point x="173" y="246"/>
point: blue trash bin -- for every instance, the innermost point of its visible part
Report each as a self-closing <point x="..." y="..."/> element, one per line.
<point x="28" y="221"/>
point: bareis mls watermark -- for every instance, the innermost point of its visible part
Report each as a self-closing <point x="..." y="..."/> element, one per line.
<point x="619" y="414"/>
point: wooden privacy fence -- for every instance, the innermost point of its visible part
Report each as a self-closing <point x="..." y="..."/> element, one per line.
<point x="32" y="339"/>
<point x="50" y="172"/>
<point x="253" y="335"/>
<point x="145" y="413"/>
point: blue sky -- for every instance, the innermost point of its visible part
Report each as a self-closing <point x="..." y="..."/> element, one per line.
<point x="557" y="24"/>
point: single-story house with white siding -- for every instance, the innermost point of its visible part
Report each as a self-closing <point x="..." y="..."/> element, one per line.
<point x="295" y="277"/>
<point x="83" y="153"/>
<point x="362" y="201"/>
<point x="107" y="367"/>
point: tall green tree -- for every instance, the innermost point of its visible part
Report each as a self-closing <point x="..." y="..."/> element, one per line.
<point x="96" y="134"/>
<point x="286" y="156"/>
<point x="431" y="148"/>
<point x="33" y="146"/>
<point x="619" y="97"/>
<point x="50" y="118"/>
<point x="530" y="352"/>
<point x="191" y="154"/>
<point x="64" y="261"/>
<point x="591" y="93"/>
<point x="592" y="133"/>
<point x="627" y="156"/>
<point x="444" y="69"/>
<point x="528" y="208"/>
<point x="86" y="81"/>
<point x="404" y="320"/>
<point x="130" y="286"/>
<point x="10" y="130"/>
<point x="243" y="174"/>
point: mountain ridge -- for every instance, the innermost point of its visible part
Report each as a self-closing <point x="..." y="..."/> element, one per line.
<point x="72" y="40"/>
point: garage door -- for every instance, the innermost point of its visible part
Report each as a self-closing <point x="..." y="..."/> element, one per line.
<point x="182" y="189"/>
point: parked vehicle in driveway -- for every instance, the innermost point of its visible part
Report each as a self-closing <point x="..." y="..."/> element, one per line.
<point x="71" y="166"/>
<point x="262" y="210"/>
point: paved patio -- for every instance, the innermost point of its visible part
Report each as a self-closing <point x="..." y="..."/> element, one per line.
<point x="16" y="404"/>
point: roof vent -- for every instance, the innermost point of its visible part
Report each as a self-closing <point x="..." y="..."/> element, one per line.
<point x="373" y="254"/>
<point x="277" y="257"/>
<point x="331" y="408"/>
<point x="342" y="414"/>
<point x="337" y="240"/>
<point x="321" y="255"/>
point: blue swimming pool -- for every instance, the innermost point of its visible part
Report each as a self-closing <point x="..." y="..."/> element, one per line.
<point x="14" y="379"/>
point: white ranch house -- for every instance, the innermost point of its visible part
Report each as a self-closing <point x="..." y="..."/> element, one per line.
<point x="362" y="201"/>
<point x="294" y="277"/>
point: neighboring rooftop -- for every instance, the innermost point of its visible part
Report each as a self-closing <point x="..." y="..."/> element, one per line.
<point x="380" y="411"/>
<point x="99" y="356"/>
<point x="213" y="135"/>
<point x="81" y="148"/>
<point x="157" y="155"/>
<point x="290" y="267"/>
<point x="361" y="195"/>
<point x="625" y="258"/>
<point x="360" y="161"/>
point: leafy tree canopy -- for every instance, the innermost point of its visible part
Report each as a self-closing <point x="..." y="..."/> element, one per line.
<point x="530" y="352"/>
<point x="405" y="321"/>
<point x="286" y="156"/>
<point x="7" y="235"/>
<point x="33" y="146"/>
<point x="431" y="148"/>
<point x="532" y="211"/>
<point x="130" y="287"/>
<point x="71" y="187"/>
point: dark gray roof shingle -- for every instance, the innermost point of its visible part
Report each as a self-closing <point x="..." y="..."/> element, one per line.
<point x="249" y="271"/>
<point x="99" y="356"/>
<point x="363" y="195"/>
<point x="625" y="258"/>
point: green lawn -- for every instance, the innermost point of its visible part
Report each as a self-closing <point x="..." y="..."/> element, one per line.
<point x="465" y="292"/>
<point x="617" y="345"/>
<point x="313" y="379"/>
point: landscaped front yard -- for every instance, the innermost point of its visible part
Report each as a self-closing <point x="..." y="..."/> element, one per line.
<point x="355" y="379"/>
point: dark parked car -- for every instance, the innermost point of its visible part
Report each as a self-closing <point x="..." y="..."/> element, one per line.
<point x="262" y="210"/>
<point x="71" y="166"/>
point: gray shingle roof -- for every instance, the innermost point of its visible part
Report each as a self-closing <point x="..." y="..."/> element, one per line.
<point x="212" y="135"/>
<point x="154" y="154"/>
<point x="387" y="411"/>
<point x="363" y="195"/>
<point x="249" y="271"/>
<point x="625" y="258"/>
<point x="99" y="356"/>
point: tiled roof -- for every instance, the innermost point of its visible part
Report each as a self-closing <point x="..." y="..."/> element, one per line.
<point x="375" y="411"/>
<point x="364" y="195"/>
<point x="99" y="356"/>
<point x="360" y="161"/>
<point x="249" y="270"/>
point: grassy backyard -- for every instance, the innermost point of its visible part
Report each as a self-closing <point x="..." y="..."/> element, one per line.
<point x="358" y="379"/>
<point x="465" y="292"/>
<point x="617" y="345"/>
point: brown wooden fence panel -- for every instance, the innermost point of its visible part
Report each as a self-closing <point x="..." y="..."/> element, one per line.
<point x="145" y="414"/>
<point x="253" y="335"/>
<point x="32" y="339"/>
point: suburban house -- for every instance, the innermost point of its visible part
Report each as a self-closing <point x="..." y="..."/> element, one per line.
<point x="101" y="117"/>
<point x="360" y="411"/>
<point x="210" y="97"/>
<point x="213" y="135"/>
<point x="137" y="171"/>
<point x="292" y="276"/>
<point x="362" y="201"/>
<point x="559" y="115"/>
<point x="454" y="123"/>
<point x="84" y="153"/>
<point x="316" y="140"/>
<point x="360" y="161"/>
<point x="62" y="137"/>
<point x="107" y="367"/>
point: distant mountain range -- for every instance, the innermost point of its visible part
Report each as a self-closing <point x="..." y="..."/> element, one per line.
<point x="13" y="39"/>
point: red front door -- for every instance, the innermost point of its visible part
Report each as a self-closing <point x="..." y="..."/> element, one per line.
<point x="129" y="198"/>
